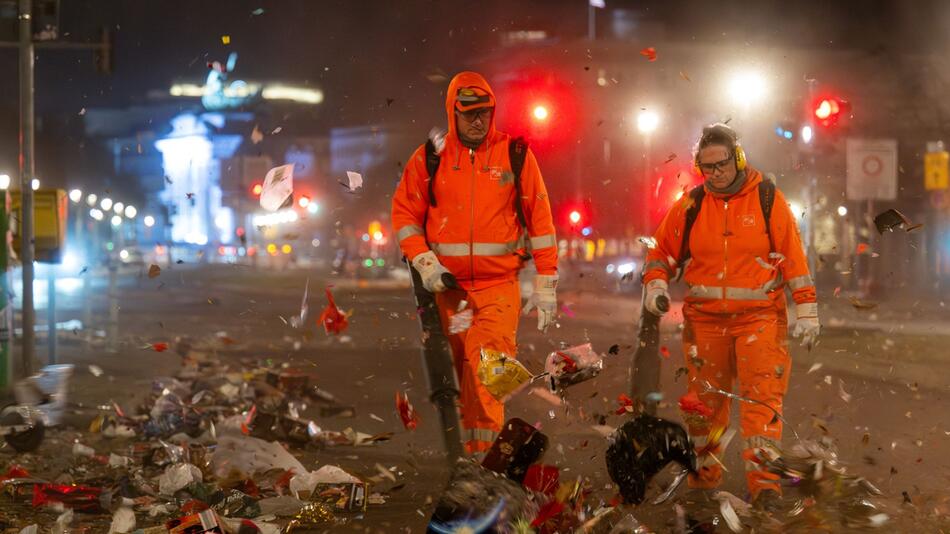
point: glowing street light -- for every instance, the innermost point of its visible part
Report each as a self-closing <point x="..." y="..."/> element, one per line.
<point x="130" y="212"/>
<point x="747" y="88"/>
<point x="35" y="184"/>
<point x="96" y="214"/>
<point x="118" y="207"/>
<point x="149" y="221"/>
<point x="4" y="182"/>
<point x="106" y="204"/>
<point x="807" y="134"/>
<point x="91" y="199"/>
<point x="842" y="211"/>
<point x="75" y="195"/>
<point x="647" y="121"/>
<point x="575" y="217"/>
<point x="116" y="220"/>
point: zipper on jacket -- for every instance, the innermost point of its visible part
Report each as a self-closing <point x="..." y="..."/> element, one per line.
<point x="725" y="245"/>
<point x="471" y="240"/>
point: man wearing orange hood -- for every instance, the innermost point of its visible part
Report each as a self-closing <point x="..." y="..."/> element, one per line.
<point x="741" y="258"/>
<point x="466" y="222"/>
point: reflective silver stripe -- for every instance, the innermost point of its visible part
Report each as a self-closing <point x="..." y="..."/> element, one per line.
<point x="477" y="249"/>
<point x="703" y="292"/>
<point x="800" y="281"/>
<point x="479" y="434"/>
<point x="408" y="231"/>
<point x="742" y="293"/>
<point x="731" y="293"/>
<point x="543" y="241"/>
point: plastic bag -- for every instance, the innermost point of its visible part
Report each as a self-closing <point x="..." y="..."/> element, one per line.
<point x="250" y="455"/>
<point x="176" y="477"/>
<point x="572" y="366"/>
<point x="302" y="485"/>
<point x="123" y="521"/>
<point x="501" y="375"/>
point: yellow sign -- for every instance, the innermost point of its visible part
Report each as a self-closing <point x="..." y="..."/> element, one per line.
<point x="936" y="170"/>
<point x="49" y="224"/>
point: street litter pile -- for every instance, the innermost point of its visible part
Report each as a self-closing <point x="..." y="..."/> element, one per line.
<point x="205" y="453"/>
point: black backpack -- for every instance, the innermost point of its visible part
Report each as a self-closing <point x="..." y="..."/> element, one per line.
<point x="766" y="200"/>
<point x="517" y="152"/>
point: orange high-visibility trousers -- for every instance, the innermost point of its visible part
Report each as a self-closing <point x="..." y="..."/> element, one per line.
<point x="753" y="348"/>
<point x="494" y="325"/>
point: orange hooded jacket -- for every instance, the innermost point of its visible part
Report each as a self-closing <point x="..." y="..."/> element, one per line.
<point x="473" y="227"/>
<point x="733" y="267"/>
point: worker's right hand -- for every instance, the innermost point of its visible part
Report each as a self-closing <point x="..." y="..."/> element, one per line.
<point x="431" y="271"/>
<point x="655" y="289"/>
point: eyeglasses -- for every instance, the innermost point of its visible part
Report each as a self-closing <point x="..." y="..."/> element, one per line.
<point x="482" y="113"/>
<point x="710" y="168"/>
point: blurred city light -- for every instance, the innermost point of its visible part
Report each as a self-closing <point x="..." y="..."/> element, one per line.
<point x="842" y="211"/>
<point x="149" y="221"/>
<point x="303" y="202"/>
<point x="647" y="121"/>
<point x="747" y="88"/>
<point x="91" y="199"/>
<point x="118" y="207"/>
<point x="116" y="220"/>
<point x="106" y="204"/>
<point x="96" y="214"/>
<point x="286" y="249"/>
<point x="313" y="208"/>
<point x="4" y="182"/>
<point x="807" y="134"/>
<point x="124" y="255"/>
<point x="280" y="217"/>
<point x="797" y="209"/>
<point x="130" y="212"/>
<point x="575" y="217"/>
<point x="75" y="195"/>
<point x="35" y="184"/>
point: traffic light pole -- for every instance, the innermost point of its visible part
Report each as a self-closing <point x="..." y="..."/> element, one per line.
<point x="26" y="181"/>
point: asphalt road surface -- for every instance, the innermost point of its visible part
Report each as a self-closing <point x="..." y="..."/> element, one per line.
<point x="890" y="425"/>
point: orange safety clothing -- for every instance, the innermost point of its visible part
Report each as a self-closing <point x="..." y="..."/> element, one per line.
<point x="731" y="269"/>
<point x="473" y="228"/>
<point x="472" y="225"/>
<point x="495" y="321"/>
<point x="735" y="310"/>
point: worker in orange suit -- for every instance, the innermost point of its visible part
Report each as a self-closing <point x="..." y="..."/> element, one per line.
<point x="744" y="249"/>
<point x="470" y="220"/>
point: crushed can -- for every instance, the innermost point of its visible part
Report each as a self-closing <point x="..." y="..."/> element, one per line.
<point x="517" y="447"/>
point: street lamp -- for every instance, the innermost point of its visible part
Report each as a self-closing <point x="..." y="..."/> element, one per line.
<point x="149" y="221"/>
<point x="747" y="88"/>
<point x="116" y="221"/>
<point x="35" y="184"/>
<point x="75" y="195"/>
<point x="118" y="207"/>
<point x="647" y="121"/>
<point x="842" y="211"/>
<point x="91" y="199"/>
<point x="4" y="182"/>
<point x="106" y="204"/>
<point x="130" y="212"/>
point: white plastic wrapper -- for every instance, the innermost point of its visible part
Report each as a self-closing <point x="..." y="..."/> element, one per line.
<point x="461" y="320"/>
<point x="83" y="450"/>
<point x="177" y="477"/>
<point x="572" y="366"/>
<point x="278" y="186"/>
<point x="123" y="521"/>
<point x="354" y="179"/>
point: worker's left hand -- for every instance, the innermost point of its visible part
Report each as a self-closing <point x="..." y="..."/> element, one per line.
<point x="544" y="299"/>
<point x="806" y="325"/>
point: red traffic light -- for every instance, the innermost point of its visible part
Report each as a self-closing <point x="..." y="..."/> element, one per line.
<point x="256" y="189"/>
<point x="829" y="110"/>
<point x="540" y="113"/>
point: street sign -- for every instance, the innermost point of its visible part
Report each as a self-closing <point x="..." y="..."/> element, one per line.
<point x="49" y="224"/>
<point x="936" y="174"/>
<point x="872" y="169"/>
